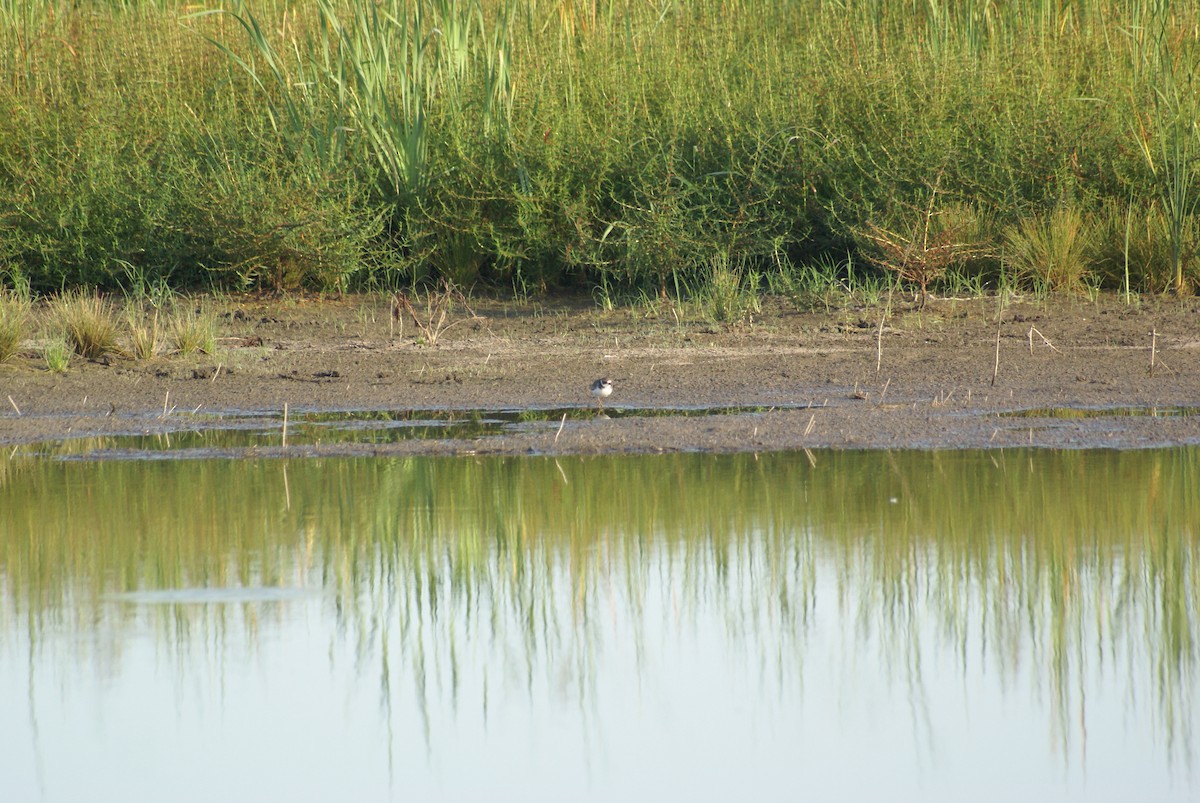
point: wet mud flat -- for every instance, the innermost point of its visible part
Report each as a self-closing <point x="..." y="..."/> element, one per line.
<point x="514" y="380"/>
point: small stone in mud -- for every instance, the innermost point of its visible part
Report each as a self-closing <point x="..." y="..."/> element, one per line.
<point x="327" y="374"/>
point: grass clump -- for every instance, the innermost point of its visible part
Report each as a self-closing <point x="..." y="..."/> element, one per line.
<point x="14" y="321"/>
<point x="730" y="293"/>
<point x="194" y="331"/>
<point x="810" y="287"/>
<point x="57" y="353"/>
<point x="1054" y="251"/>
<point x="87" y="323"/>
<point x="145" y="335"/>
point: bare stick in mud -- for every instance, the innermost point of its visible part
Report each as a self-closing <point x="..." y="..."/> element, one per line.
<point x="879" y="345"/>
<point x="996" y="365"/>
<point x="1153" y="348"/>
<point x="1032" y="331"/>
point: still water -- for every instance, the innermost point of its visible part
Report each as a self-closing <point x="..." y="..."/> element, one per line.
<point x="962" y="625"/>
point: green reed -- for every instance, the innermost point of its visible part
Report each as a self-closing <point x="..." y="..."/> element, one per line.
<point x="1165" y="128"/>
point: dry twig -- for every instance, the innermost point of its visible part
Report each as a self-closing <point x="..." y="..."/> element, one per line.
<point x="879" y="345"/>
<point x="1032" y="331"/>
<point x="923" y="254"/>
<point x="996" y="365"/>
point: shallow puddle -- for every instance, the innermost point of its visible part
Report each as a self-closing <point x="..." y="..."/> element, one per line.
<point x="1076" y="413"/>
<point x="210" y="434"/>
<point x="966" y="624"/>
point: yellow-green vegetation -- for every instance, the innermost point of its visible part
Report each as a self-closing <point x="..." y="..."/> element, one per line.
<point x="92" y="325"/>
<point x="1053" y="250"/>
<point x="593" y="143"/>
<point x="57" y="354"/>
<point x="194" y="330"/>
<point x="14" y="320"/>
<point x="145" y="334"/>
<point x="730" y="294"/>
<point x="87" y="322"/>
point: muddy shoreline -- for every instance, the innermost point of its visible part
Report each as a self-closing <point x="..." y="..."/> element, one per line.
<point x="818" y="379"/>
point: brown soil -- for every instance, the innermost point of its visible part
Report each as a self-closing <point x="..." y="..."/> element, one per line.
<point x="932" y="388"/>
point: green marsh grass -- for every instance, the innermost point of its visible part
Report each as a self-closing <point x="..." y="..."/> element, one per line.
<point x="730" y="294"/>
<point x="350" y="144"/>
<point x="1166" y="129"/>
<point x="1055" y="251"/>
<point x="57" y="354"/>
<point x="810" y="287"/>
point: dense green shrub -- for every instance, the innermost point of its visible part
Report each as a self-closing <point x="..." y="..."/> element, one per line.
<point x="351" y="143"/>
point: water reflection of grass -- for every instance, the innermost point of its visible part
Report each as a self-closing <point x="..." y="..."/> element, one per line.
<point x="1055" y="563"/>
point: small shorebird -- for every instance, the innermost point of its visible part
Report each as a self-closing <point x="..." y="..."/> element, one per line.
<point x="602" y="389"/>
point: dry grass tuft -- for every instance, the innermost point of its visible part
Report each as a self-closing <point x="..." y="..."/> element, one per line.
<point x="194" y="331"/>
<point x="14" y="319"/>
<point x="87" y="322"/>
<point x="145" y="336"/>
